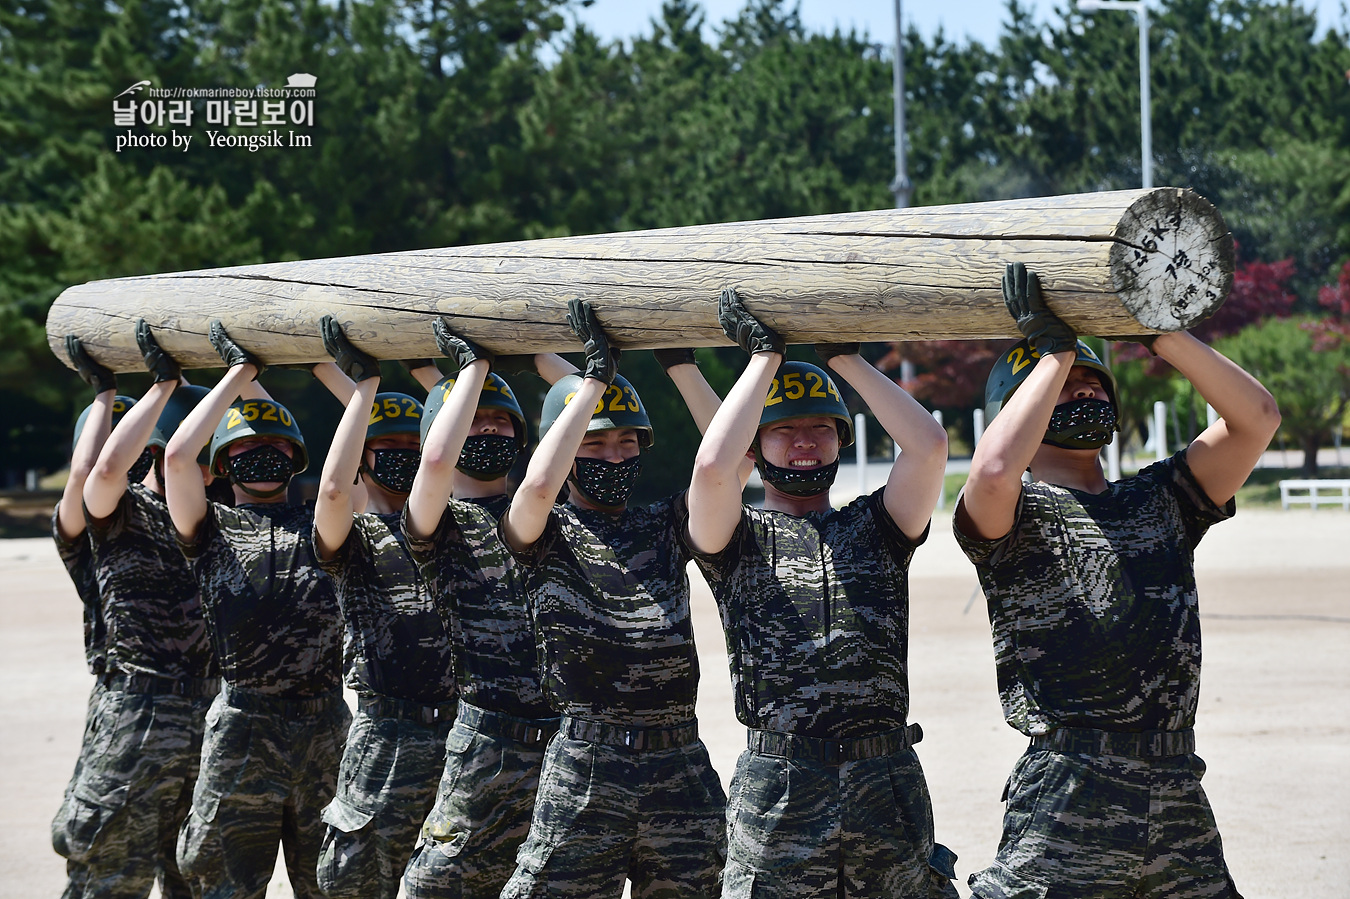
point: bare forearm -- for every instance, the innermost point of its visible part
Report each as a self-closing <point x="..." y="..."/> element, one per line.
<point x="1239" y="398"/>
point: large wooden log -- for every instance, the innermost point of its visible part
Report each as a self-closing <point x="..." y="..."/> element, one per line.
<point x="1117" y="263"/>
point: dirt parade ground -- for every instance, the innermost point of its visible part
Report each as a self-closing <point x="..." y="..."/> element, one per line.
<point x="1274" y="722"/>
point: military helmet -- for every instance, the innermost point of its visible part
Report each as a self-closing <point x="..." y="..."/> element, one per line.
<point x="803" y="390"/>
<point x="183" y="400"/>
<point x="496" y="394"/>
<point x="619" y="407"/>
<point x="1015" y="364"/>
<point x="394" y="413"/>
<point x="256" y="418"/>
<point x="121" y="406"/>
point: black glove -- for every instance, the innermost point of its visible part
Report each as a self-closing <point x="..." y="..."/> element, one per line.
<point x="355" y="364"/>
<point x="1046" y="332"/>
<point x="97" y="376"/>
<point x="1144" y="340"/>
<point x="827" y="351"/>
<point x="461" y="349"/>
<point x="156" y="360"/>
<point x="742" y="327"/>
<point x="679" y="356"/>
<point x="231" y="353"/>
<point x="602" y="360"/>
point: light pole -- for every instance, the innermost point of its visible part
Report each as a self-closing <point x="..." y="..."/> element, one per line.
<point x="901" y="186"/>
<point x="1139" y="8"/>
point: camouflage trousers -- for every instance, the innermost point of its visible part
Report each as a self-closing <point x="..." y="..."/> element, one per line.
<point x="483" y="808"/>
<point x="802" y="824"/>
<point x="642" y="803"/>
<point x="131" y="793"/>
<point x="386" y="786"/>
<point x="61" y="821"/>
<point x="268" y="768"/>
<point x="1092" y="826"/>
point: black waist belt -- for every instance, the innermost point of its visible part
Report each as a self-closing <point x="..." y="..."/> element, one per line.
<point x="636" y="738"/>
<point x="162" y="686"/>
<point x="832" y="752"/>
<point x="408" y="709"/>
<point x="253" y="701"/>
<point x="1149" y="744"/>
<point x="531" y="731"/>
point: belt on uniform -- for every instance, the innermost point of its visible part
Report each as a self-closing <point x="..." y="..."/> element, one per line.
<point x="1148" y="744"/>
<point x="635" y="738"/>
<point x="407" y="709"/>
<point x="531" y="731"/>
<point x="832" y="752"/>
<point x="253" y="701"/>
<point x="161" y="686"/>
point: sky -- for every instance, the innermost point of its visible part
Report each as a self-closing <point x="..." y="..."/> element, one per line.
<point x="981" y="20"/>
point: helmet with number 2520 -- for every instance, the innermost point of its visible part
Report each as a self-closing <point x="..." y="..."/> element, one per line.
<point x="256" y="418"/>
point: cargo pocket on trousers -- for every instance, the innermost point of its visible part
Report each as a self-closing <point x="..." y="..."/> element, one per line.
<point x="92" y="811"/>
<point x="193" y="856"/>
<point x="344" y="816"/>
<point x="942" y="870"/>
<point x="744" y="882"/>
<point x="1000" y="882"/>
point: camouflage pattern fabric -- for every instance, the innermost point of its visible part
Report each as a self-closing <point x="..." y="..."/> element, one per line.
<point x="1093" y="603"/>
<point x="1106" y="827"/>
<point x="1095" y="618"/>
<point x="132" y="794"/>
<point x="610" y="600"/>
<point x="815" y="609"/>
<point x="78" y="557"/>
<point x="62" y="821"/>
<point x="605" y="813"/>
<point x="483" y="806"/>
<point x="270" y="610"/>
<point x="151" y="604"/>
<point x="480" y="593"/>
<point x="395" y="642"/>
<point x="386" y="787"/>
<point x="800" y="828"/>
<point x="267" y="771"/>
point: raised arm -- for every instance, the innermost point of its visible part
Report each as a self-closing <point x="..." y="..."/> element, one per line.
<point x="97" y="426"/>
<point x="525" y="519"/>
<point x="334" y="506"/>
<point x="989" y="500"/>
<point x="1224" y="454"/>
<point x="183" y="486"/>
<point x="435" y="480"/>
<point x="715" y="489"/>
<point x="916" y="475"/>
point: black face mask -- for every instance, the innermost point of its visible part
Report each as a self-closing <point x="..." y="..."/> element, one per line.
<point x="486" y="457"/>
<point x="798" y="481"/>
<point x="607" y="484"/>
<point x="141" y="467"/>
<point x="258" y="466"/>
<point x="1081" y="424"/>
<point x="395" y="469"/>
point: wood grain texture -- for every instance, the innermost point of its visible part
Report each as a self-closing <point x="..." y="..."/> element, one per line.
<point x="1116" y="263"/>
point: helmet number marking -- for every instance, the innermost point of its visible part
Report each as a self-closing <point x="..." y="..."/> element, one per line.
<point x="792" y="387"/>
<point x="253" y="411"/>
<point x="393" y="407"/>
<point x="1019" y="359"/>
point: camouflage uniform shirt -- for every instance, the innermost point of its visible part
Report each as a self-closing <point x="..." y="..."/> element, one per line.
<point x="395" y="642"/>
<point x="151" y="604"/>
<point x="815" y="609"/>
<point x="480" y="593"/>
<point x="610" y="602"/>
<point x="78" y="557"/>
<point x="270" y="609"/>
<point x="1093" y="603"/>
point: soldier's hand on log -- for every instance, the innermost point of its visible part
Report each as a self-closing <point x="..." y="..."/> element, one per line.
<point x="355" y="364"/>
<point x="672" y="357"/>
<point x="1046" y="332"/>
<point x="742" y="327"/>
<point x="461" y="349"/>
<point x="97" y="376"/>
<point x="827" y="351"/>
<point x="160" y="363"/>
<point x="231" y="353"/>
<point x="602" y="360"/>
